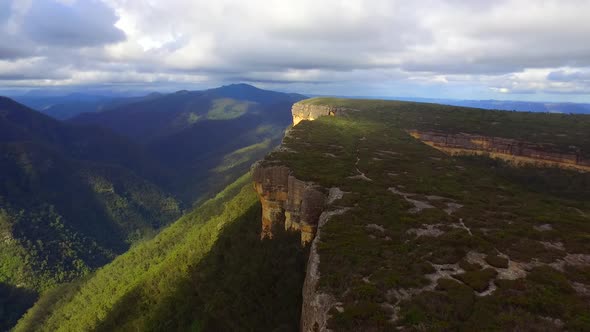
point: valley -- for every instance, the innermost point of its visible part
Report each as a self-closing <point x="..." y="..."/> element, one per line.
<point x="73" y="195"/>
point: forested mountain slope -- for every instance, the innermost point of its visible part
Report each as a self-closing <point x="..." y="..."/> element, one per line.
<point x="207" y="136"/>
<point x="208" y="271"/>
<point x="71" y="198"/>
<point x="74" y="195"/>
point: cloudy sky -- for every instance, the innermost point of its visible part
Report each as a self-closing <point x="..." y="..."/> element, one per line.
<point x="469" y="49"/>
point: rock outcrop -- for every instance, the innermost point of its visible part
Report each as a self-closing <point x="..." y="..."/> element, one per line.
<point x="511" y="150"/>
<point x="287" y="201"/>
<point x="303" y="111"/>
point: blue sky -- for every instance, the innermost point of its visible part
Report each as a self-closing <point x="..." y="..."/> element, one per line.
<point x="478" y="49"/>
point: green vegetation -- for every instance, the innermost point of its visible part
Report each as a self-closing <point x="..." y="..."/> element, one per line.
<point x="497" y="261"/>
<point x="479" y="280"/>
<point x="525" y="214"/>
<point x="207" y="271"/>
<point x="226" y="108"/>
<point x="242" y="156"/>
<point x="73" y="196"/>
<point x="63" y="235"/>
<point x="559" y="131"/>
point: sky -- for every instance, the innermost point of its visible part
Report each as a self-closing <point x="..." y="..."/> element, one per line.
<point x="465" y="49"/>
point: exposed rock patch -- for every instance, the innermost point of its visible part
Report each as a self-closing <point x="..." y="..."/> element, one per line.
<point x="427" y="230"/>
<point x="462" y="224"/>
<point x="577" y="259"/>
<point x="360" y="174"/>
<point x="376" y="227"/>
<point x="335" y="194"/>
<point x="585" y="215"/>
<point x="543" y="228"/>
<point x="452" y="208"/>
<point x="418" y="205"/>
<point x="553" y="245"/>
<point x="581" y="289"/>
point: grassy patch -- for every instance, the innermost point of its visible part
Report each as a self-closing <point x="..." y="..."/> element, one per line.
<point x="225" y="109"/>
<point x="478" y="280"/>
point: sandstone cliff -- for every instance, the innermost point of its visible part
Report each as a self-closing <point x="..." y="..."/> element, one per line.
<point x="303" y="111"/>
<point x="508" y="149"/>
<point x="316" y="305"/>
<point x="287" y="201"/>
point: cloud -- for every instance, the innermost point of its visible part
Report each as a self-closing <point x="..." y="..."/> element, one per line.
<point x="434" y="46"/>
<point x="578" y="75"/>
<point x="77" y="23"/>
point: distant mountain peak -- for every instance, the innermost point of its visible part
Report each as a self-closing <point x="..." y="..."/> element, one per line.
<point x="243" y="85"/>
<point x="238" y="87"/>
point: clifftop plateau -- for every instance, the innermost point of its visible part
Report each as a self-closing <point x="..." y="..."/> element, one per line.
<point x="413" y="226"/>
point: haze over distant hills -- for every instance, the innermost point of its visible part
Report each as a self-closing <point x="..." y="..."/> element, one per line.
<point x="505" y="105"/>
<point x="195" y="132"/>
<point x="70" y="105"/>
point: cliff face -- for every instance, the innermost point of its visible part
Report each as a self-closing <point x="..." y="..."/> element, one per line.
<point x="317" y="305"/>
<point x="287" y="201"/>
<point x="299" y="206"/>
<point x="302" y="111"/>
<point x="508" y="149"/>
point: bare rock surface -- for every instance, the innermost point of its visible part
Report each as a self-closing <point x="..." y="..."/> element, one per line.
<point x="287" y="200"/>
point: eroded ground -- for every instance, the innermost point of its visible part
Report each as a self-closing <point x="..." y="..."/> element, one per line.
<point x="435" y="242"/>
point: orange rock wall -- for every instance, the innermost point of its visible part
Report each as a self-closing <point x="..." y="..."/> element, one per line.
<point x="301" y="111"/>
<point x="287" y="201"/>
<point x="504" y="148"/>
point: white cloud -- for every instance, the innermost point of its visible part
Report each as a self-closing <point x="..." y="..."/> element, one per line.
<point x="499" y="47"/>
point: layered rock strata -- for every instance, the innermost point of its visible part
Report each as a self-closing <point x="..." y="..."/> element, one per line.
<point x="287" y="201"/>
<point x="511" y="150"/>
<point x="302" y="111"/>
